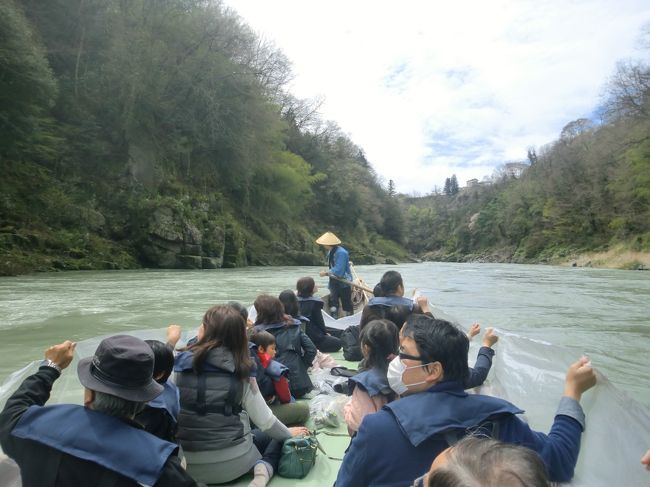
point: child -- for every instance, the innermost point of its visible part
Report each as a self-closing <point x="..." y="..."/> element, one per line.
<point x="266" y="350"/>
<point x="159" y="417"/>
<point x="279" y="399"/>
<point x="294" y="348"/>
<point x="311" y="307"/>
<point x="370" y="390"/>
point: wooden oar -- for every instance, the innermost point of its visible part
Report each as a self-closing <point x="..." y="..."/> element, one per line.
<point x="350" y="283"/>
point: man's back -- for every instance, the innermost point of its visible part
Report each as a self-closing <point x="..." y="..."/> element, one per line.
<point x="381" y="454"/>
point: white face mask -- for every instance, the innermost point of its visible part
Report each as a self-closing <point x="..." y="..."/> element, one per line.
<point x="396" y="370"/>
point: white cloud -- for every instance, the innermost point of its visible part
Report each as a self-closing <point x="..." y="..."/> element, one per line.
<point x="428" y="89"/>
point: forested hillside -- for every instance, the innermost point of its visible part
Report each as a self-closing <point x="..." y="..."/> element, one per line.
<point x="161" y="134"/>
<point x="587" y="191"/>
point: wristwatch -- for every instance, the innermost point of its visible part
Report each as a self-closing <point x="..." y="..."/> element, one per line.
<point x="50" y="363"/>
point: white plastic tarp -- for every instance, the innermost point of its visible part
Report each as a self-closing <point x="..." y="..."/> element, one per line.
<point x="528" y="373"/>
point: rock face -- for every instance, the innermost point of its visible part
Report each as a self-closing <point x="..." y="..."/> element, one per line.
<point x="173" y="242"/>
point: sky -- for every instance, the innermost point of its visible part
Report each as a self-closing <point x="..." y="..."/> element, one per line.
<point x="433" y="88"/>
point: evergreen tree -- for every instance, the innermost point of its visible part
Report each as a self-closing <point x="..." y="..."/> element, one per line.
<point x="447" y="188"/>
<point x="453" y="185"/>
<point x="391" y="188"/>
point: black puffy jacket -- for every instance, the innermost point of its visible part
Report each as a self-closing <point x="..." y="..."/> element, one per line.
<point x="295" y="351"/>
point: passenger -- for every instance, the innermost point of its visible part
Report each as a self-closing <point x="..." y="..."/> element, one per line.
<point x="474" y="330"/>
<point x="292" y="308"/>
<point x="488" y="462"/>
<point x="311" y="307"/>
<point x="266" y="350"/>
<point x="646" y="460"/>
<point x="398" y="313"/>
<point x="243" y="312"/>
<point x="430" y="370"/>
<point x="351" y="335"/>
<point x="97" y="443"/>
<point x="483" y="364"/>
<point x="370" y="389"/>
<point x="160" y="416"/>
<point x="218" y="395"/>
<point x="377" y="291"/>
<point x="283" y="405"/>
<point x="350" y="338"/>
<point x="392" y="293"/>
<point x="294" y="348"/>
<point x="338" y="261"/>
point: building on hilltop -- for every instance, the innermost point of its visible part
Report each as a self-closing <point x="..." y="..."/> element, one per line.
<point x="515" y="169"/>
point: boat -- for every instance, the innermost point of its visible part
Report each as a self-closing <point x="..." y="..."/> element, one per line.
<point x="529" y="373"/>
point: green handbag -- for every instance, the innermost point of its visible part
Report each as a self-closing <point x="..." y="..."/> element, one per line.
<point x="298" y="456"/>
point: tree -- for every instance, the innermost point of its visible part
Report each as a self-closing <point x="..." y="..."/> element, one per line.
<point x="447" y="188"/>
<point x="453" y="185"/>
<point x="27" y="86"/>
<point x="575" y="128"/>
<point x="391" y="188"/>
<point x="628" y="92"/>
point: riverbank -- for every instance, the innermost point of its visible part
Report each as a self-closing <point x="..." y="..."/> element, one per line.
<point x="618" y="257"/>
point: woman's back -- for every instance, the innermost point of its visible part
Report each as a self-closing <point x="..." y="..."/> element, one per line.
<point x="295" y="351"/>
<point x="211" y="401"/>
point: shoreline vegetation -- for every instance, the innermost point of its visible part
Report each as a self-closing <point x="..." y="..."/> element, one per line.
<point x="617" y="258"/>
<point x="141" y="135"/>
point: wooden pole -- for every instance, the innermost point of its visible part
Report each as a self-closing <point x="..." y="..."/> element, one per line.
<point x="353" y="284"/>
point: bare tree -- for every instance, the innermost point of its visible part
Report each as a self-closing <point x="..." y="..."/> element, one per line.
<point x="575" y="128"/>
<point x="628" y="92"/>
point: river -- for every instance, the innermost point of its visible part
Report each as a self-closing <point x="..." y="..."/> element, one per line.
<point x="603" y="313"/>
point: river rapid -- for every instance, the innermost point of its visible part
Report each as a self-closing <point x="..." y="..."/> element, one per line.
<point x="599" y="312"/>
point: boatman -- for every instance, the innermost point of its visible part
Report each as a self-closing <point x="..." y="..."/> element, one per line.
<point x="339" y="272"/>
<point x="97" y="444"/>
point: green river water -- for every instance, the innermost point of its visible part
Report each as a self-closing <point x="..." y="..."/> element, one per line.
<point x="603" y="313"/>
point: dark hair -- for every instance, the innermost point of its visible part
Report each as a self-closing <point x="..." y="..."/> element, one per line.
<point x="240" y="309"/>
<point x="263" y="339"/>
<point x="225" y="327"/>
<point x="377" y="291"/>
<point x="398" y="314"/>
<point x="440" y="341"/>
<point x="390" y="281"/>
<point x="269" y="310"/>
<point x="382" y="338"/>
<point x="490" y="463"/>
<point x="371" y="313"/>
<point x="163" y="359"/>
<point x="305" y="287"/>
<point x="290" y="303"/>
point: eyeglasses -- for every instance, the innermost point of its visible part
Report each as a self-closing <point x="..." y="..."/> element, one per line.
<point x="406" y="356"/>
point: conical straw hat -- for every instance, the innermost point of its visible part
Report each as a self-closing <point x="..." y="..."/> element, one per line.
<point x="328" y="238"/>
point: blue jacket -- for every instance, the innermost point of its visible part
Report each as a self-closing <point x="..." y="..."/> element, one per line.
<point x="389" y="301"/>
<point x="169" y="400"/>
<point x="97" y="437"/>
<point x="373" y="381"/>
<point x="479" y="372"/>
<point x="41" y="464"/>
<point x="340" y="263"/>
<point x="416" y="427"/>
<point x="312" y="309"/>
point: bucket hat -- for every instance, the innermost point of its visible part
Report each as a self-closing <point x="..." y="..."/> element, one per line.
<point x="122" y="366"/>
<point x="328" y="238"/>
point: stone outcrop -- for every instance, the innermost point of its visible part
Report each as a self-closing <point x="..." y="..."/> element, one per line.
<point x="174" y="242"/>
